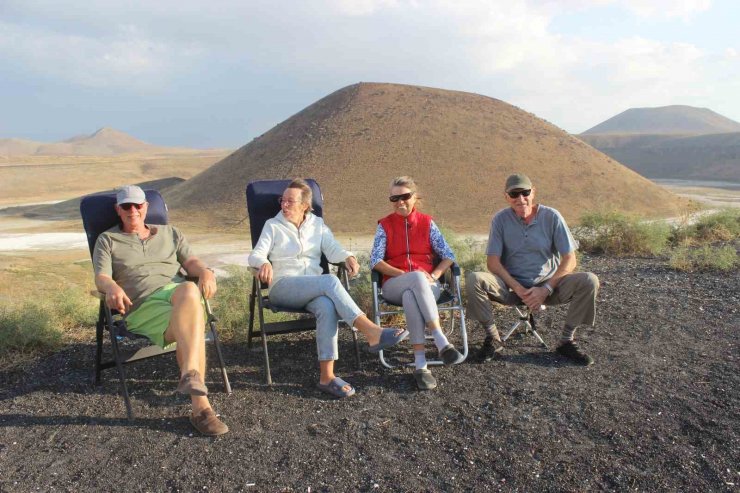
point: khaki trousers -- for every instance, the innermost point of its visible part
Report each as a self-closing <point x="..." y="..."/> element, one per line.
<point x="579" y="289"/>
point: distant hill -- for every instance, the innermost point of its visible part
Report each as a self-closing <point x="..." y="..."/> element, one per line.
<point x="675" y="120"/>
<point x="459" y="146"/>
<point x="677" y="142"/>
<point x="104" y="142"/>
<point x="700" y="157"/>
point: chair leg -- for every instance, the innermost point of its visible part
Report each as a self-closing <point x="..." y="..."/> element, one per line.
<point x="98" y="351"/>
<point x="252" y="297"/>
<point x="121" y="375"/>
<point x="268" y="376"/>
<point x="357" y="348"/>
<point x="534" y="331"/>
<point x="220" y="356"/>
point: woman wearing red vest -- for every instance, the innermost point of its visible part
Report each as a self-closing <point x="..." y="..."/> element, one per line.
<point x="406" y="245"/>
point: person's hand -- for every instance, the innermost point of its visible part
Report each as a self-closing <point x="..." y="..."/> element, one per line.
<point x="116" y="299"/>
<point x="207" y="283"/>
<point x="353" y="267"/>
<point x="534" y="297"/>
<point x="265" y="273"/>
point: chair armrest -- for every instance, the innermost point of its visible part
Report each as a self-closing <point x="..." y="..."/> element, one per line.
<point x="376" y="277"/>
<point x="455" y="269"/>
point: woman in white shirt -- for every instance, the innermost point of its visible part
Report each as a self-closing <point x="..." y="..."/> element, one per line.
<point x="288" y="255"/>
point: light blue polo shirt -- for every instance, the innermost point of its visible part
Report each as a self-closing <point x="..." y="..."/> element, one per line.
<point x="530" y="252"/>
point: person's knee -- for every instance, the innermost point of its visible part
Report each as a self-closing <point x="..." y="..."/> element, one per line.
<point x="331" y="280"/>
<point x="187" y="292"/>
<point x="417" y="279"/>
<point x="472" y="281"/>
<point x="591" y="281"/>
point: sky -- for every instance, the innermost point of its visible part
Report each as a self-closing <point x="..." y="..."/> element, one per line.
<point x="220" y="73"/>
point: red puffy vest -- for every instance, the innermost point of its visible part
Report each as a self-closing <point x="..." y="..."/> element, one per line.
<point x="408" y="246"/>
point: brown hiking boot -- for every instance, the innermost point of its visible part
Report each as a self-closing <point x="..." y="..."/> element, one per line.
<point x="208" y="424"/>
<point x="192" y="384"/>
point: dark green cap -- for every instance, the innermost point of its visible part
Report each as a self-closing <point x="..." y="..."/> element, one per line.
<point x="516" y="181"/>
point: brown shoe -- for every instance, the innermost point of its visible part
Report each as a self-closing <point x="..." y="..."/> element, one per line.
<point x="192" y="384"/>
<point x="208" y="424"/>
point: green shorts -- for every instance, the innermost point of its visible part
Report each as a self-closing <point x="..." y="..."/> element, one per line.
<point x="152" y="318"/>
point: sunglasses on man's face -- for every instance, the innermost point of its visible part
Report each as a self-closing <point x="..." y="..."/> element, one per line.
<point x="403" y="196"/>
<point x="516" y="193"/>
<point x="127" y="207"/>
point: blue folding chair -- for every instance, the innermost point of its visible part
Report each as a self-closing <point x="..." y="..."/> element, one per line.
<point x="262" y="204"/>
<point x="99" y="215"/>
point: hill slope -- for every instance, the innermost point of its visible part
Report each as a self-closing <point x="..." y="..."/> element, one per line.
<point x="698" y="157"/>
<point x="459" y="146"/>
<point x="676" y="119"/>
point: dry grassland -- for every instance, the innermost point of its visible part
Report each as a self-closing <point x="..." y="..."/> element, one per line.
<point x="33" y="179"/>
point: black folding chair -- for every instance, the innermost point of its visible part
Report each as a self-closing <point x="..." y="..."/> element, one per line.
<point x="450" y="301"/>
<point x="98" y="215"/>
<point x="262" y="204"/>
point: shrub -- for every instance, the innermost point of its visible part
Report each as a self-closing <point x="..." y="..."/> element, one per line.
<point x="28" y="327"/>
<point x="469" y="252"/>
<point x="231" y="304"/>
<point x="719" y="226"/>
<point x="614" y="233"/>
<point x="705" y="258"/>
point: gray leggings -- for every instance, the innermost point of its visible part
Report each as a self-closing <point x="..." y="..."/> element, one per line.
<point x="419" y="301"/>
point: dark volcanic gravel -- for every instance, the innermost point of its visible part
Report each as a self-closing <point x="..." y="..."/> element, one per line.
<point x="658" y="411"/>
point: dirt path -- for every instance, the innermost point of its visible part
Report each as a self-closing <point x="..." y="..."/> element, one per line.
<point x="658" y="411"/>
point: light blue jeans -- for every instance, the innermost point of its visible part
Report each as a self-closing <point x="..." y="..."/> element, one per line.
<point x="326" y="298"/>
<point x="419" y="301"/>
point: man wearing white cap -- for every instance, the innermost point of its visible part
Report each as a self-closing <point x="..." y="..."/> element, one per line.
<point x="531" y="258"/>
<point x="137" y="266"/>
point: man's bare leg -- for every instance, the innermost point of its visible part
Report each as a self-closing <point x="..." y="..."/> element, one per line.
<point x="186" y="328"/>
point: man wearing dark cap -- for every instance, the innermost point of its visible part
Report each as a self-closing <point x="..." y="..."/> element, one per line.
<point x="137" y="266"/>
<point x="531" y="256"/>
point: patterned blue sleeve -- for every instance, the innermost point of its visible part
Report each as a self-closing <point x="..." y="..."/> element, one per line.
<point x="440" y="246"/>
<point x="378" y="252"/>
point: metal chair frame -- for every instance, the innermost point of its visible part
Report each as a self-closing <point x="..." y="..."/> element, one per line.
<point x="450" y="300"/>
<point x="527" y="323"/>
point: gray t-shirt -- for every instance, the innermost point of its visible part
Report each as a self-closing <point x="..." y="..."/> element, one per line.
<point x="530" y="252"/>
<point x="141" y="267"/>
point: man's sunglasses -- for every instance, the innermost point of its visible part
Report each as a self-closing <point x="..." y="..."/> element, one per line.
<point x="128" y="206"/>
<point x="403" y="196"/>
<point x="517" y="193"/>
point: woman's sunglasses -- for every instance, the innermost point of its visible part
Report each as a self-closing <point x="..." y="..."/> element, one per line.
<point x="403" y="196"/>
<point x="128" y="206"/>
<point x="517" y="193"/>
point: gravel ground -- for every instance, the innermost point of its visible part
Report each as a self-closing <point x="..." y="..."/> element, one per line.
<point x="658" y="410"/>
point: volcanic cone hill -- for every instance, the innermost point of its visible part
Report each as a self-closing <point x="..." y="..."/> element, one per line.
<point x="459" y="146"/>
<point x="671" y="142"/>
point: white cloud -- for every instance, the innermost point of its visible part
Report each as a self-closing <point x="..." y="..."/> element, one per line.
<point x="502" y="48"/>
<point x="124" y="57"/>
<point x="684" y="9"/>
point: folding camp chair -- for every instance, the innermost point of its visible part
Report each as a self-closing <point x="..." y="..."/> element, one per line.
<point x="527" y="323"/>
<point x="262" y="204"/>
<point x="450" y="300"/>
<point x="98" y="215"/>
